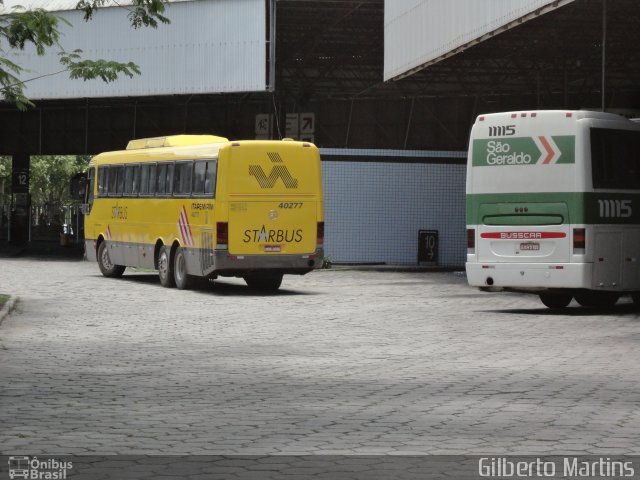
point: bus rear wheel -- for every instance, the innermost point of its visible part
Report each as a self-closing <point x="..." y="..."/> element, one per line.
<point x="597" y="299"/>
<point x="555" y="300"/>
<point x="183" y="280"/>
<point x="107" y="268"/>
<point x="267" y="283"/>
<point x="165" y="268"/>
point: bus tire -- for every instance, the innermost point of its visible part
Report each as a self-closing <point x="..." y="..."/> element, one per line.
<point x="107" y="268"/>
<point x="597" y="299"/>
<point x="635" y="296"/>
<point x="555" y="300"/>
<point x="267" y="283"/>
<point x="165" y="267"/>
<point x="183" y="280"/>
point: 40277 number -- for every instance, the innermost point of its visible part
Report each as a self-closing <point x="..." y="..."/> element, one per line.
<point x="290" y="205"/>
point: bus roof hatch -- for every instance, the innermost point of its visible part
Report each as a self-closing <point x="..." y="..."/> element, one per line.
<point x="174" y="141"/>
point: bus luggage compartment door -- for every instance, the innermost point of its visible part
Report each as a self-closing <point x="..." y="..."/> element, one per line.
<point x="607" y="260"/>
<point x="272" y="227"/>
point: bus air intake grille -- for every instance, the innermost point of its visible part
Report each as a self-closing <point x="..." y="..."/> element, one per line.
<point x="206" y="252"/>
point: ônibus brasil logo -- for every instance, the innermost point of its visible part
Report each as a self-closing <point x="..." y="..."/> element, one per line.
<point x="32" y="468"/>
<point x="538" y="150"/>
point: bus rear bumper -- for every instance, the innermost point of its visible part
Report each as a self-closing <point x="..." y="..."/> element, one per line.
<point x="227" y="264"/>
<point x="529" y="276"/>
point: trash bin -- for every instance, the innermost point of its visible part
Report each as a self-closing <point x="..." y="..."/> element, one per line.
<point x="65" y="239"/>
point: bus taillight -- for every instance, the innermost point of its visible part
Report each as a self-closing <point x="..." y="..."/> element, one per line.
<point x="320" y="234"/>
<point x="222" y="234"/>
<point x="579" y="240"/>
<point x="471" y="240"/>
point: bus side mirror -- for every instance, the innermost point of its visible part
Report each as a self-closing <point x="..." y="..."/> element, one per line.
<point x="77" y="186"/>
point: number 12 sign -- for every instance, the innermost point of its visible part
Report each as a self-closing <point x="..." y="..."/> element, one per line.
<point x="20" y="181"/>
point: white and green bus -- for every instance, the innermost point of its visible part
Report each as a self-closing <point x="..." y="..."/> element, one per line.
<point x="553" y="206"/>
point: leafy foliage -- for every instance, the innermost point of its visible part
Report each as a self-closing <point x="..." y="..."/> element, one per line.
<point x="50" y="176"/>
<point x="41" y="29"/>
<point x="5" y="178"/>
<point x="38" y="27"/>
<point x="145" y="13"/>
<point x="89" y="69"/>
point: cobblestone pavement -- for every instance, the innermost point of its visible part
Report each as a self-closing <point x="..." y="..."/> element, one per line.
<point x="338" y="362"/>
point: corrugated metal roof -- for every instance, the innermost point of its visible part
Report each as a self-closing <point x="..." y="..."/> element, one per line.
<point x="60" y="5"/>
<point x="421" y="32"/>
<point x="187" y="56"/>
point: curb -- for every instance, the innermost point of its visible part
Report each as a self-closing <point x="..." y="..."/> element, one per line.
<point x="8" y="308"/>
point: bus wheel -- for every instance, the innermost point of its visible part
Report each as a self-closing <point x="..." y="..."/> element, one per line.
<point x="182" y="279"/>
<point x="635" y="296"/>
<point x="269" y="283"/>
<point x="165" y="268"/>
<point x="107" y="268"/>
<point x="597" y="299"/>
<point x="555" y="300"/>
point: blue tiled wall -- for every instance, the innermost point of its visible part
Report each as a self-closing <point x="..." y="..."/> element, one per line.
<point x="374" y="210"/>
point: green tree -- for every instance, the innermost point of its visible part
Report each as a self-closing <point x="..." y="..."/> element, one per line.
<point x="5" y="178"/>
<point x="41" y="29"/>
<point x="50" y="176"/>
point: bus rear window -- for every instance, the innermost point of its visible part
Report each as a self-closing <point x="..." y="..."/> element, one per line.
<point x="615" y="158"/>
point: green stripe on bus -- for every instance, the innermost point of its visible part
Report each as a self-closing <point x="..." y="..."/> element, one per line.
<point x="521" y="151"/>
<point x="581" y="208"/>
<point x="567" y="146"/>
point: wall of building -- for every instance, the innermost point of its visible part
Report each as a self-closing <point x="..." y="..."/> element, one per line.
<point x="377" y="201"/>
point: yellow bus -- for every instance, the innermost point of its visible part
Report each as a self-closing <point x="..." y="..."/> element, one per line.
<point x="202" y="206"/>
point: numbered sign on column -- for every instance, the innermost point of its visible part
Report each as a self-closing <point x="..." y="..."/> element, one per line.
<point x="428" y="246"/>
<point x="20" y="181"/>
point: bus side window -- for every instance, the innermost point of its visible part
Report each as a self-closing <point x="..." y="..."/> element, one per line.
<point x="136" y="180"/>
<point x="161" y="185"/>
<point x="103" y="177"/>
<point x="614" y="158"/>
<point x="210" y="178"/>
<point x="152" y="179"/>
<point x="120" y="183"/>
<point x="199" y="172"/>
<point x="144" y="179"/>
<point x="129" y="172"/>
<point x="113" y="181"/>
<point x="88" y="198"/>
<point x="169" y="179"/>
<point x="182" y="178"/>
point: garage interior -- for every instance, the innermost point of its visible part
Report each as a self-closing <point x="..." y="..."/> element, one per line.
<point x="329" y="61"/>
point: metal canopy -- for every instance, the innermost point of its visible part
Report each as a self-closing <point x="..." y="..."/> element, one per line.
<point x="329" y="61"/>
<point x="334" y="49"/>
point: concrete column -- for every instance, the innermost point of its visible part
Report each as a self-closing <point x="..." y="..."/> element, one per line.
<point x="20" y="199"/>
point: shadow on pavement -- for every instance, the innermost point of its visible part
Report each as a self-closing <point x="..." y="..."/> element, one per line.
<point x="573" y="311"/>
<point x="215" y="287"/>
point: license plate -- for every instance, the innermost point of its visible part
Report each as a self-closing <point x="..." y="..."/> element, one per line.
<point x="530" y="246"/>
<point x="272" y="248"/>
